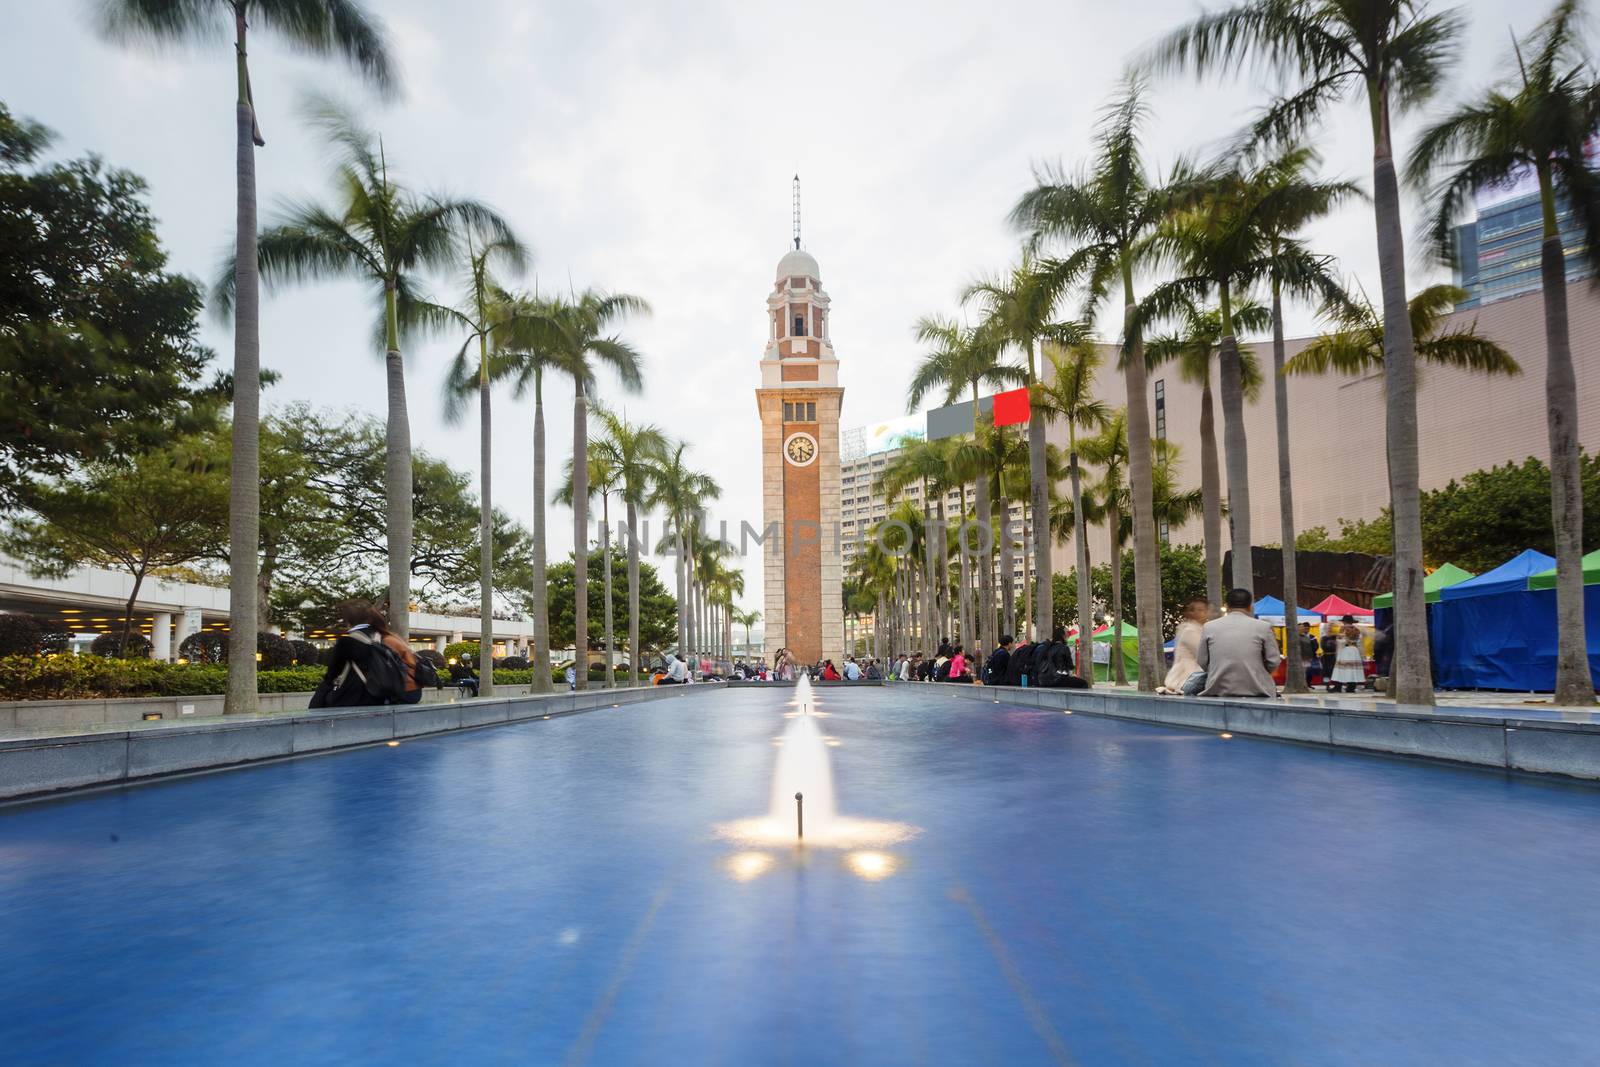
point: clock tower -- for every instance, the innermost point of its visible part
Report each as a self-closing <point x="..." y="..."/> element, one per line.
<point x="798" y="399"/>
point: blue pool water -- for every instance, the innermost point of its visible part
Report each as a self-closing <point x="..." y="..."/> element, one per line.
<point x="1081" y="891"/>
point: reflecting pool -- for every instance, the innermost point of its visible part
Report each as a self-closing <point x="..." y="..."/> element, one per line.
<point x="1060" y="888"/>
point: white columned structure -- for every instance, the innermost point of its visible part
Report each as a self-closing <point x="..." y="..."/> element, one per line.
<point x="161" y="636"/>
<point x="188" y="625"/>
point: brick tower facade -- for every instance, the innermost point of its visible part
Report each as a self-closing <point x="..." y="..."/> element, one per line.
<point x="799" y="400"/>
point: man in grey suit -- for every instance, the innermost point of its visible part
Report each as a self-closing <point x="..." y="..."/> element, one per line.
<point x="1238" y="652"/>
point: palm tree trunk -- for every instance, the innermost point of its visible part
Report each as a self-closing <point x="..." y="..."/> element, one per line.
<point x="929" y="568"/>
<point x="1114" y="520"/>
<point x="1574" y="684"/>
<point x="605" y="549"/>
<point x="485" y="530"/>
<point x="966" y="561"/>
<point x="1039" y="490"/>
<point x="1008" y="600"/>
<point x="688" y="585"/>
<point x="1210" y="491"/>
<point x="680" y="567"/>
<point x="1237" y="460"/>
<point x="1146" y="547"/>
<point x="1027" y="582"/>
<point x="541" y="589"/>
<point x="633" y="591"/>
<point x="244" y="486"/>
<point x="397" y="475"/>
<point x="580" y="532"/>
<point x="1294" y="675"/>
<point x="1413" y="666"/>
<point x="942" y="594"/>
<point x="1081" y="539"/>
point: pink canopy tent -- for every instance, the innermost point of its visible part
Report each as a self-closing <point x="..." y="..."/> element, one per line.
<point x="1336" y="606"/>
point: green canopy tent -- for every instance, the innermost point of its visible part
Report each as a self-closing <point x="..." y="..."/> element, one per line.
<point x="1443" y="578"/>
<point x="1591" y="573"/>
<point x="1105" y="672"/>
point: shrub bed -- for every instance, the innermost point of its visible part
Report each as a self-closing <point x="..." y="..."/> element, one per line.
<point x="95" y="677"/>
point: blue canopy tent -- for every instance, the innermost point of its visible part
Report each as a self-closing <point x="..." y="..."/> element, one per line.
<point x="1491" y="632"/>
<point x="1270" y="608"/>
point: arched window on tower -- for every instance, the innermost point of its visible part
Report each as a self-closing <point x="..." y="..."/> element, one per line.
<point x="799" y="326"/>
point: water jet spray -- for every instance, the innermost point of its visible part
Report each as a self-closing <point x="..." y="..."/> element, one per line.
<point x="800" y="815"/>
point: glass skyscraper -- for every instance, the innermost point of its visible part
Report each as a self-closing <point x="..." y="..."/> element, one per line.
<point x="1498" y="254"/>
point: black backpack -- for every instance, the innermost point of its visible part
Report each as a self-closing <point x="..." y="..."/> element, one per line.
<point x="384" y="675"/>
<point x="425" y="673"/>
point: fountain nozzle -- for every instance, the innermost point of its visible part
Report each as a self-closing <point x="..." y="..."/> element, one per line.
<point x="800" y="815"/>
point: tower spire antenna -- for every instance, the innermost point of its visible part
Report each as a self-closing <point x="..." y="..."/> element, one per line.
<point x="797" y="211"/>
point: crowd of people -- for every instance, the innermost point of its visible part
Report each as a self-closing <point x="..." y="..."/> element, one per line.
<point x="1234" y="654"/>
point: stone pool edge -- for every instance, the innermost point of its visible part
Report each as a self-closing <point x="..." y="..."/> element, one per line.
<point x="33" y="768"/>
<point x="1533" y="746"/>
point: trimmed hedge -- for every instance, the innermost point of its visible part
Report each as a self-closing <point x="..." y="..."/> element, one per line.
<point x="96" y="677"/>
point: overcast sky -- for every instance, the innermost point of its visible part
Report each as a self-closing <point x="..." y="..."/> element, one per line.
<point x="649" y="148"/>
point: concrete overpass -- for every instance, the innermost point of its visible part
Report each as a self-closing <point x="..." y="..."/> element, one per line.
<point x="92" y="601"/>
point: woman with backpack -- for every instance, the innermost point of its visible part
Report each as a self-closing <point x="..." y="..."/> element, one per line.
<point x="370" y="666"/>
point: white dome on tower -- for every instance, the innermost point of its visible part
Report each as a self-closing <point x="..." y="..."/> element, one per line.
<point x="798" y="264"/>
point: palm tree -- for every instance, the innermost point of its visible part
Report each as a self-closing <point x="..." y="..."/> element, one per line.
<point x="635" y="452"/>
<point x="1192" y="348"/>
<point x="1355" y="346"/>
<point x="323" y="27"/>
<point x="1019" y="311"/>
<point x="1068" y="394"/>
<point x="603" y="479"/>
<point x="486" y="308"/>
<point x="1540" y="124"/>
<point x="1398" y="51"/>
<point x="1220" y="248"/>
<point x="381" y="234"/>
<point x="747" y="618"/>
<point x="580" y="326"/>
<point x="1109" y="451"/>
<point x="925" y="463"/>
<point x="680" y="492"/>
<point x="525" y="349"/>
<point x="962" y="358"/>
<point x="1289" y="200"/>
<point x="1107" y="217"/>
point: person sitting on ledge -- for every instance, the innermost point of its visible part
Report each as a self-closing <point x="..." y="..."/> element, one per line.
<point x="677" y="671"/>
<point x="1239" y="652"/>
<point x="994" y="672"/>
<point x="1053" y="665"/>
<point x="958" y="665"/>
<point x="830" y="673"/>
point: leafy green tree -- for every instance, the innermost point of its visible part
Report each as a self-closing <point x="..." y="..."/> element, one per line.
<point x="1540" y="124"/>
<point x="657" y="610"/>
<point x="167" y="508"/>
<point x="340" y="28"/>
<point x="1481" y="520"/>
<point x="382" y="234"/>
<point x="98" y="357"/>
<point x="1393" y="54"/>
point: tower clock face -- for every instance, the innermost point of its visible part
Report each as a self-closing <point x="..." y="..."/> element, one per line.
<point x="800" y="449"/>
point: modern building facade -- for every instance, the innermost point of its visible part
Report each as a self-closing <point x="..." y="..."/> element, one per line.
<point x="798" y="401"/>
<point x="1497" y="255"/>
<point x="1466" y="421"/>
